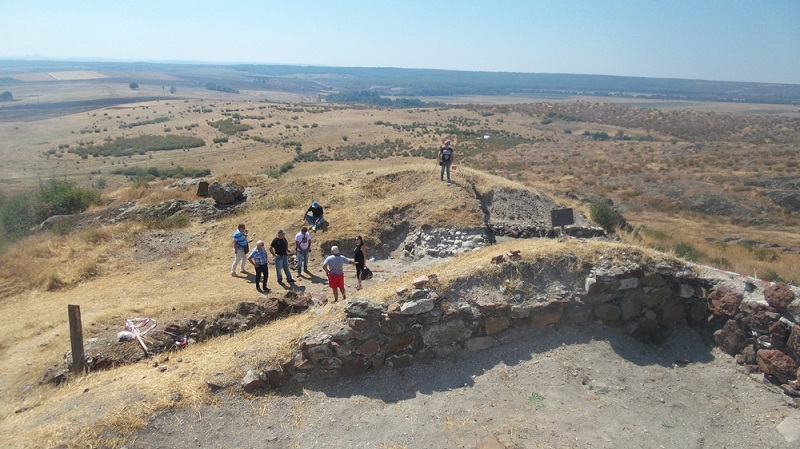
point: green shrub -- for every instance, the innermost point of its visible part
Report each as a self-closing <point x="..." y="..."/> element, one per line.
<point x="772" y="276"/>
<point x="18" y="215"/>
<point x="22" y="212"/>
<point x="59" y="197"/>
<point x="687" y="251"/>
<point x="605" y="215"/>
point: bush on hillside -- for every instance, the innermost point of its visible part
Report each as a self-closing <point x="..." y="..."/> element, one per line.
<point x="20" y="213"/>
<point x="605" y="215"/>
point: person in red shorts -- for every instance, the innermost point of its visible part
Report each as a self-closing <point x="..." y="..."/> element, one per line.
<point x="334" y="268"/>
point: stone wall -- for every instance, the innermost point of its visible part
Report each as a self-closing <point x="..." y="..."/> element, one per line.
<point x="758" y="324"/>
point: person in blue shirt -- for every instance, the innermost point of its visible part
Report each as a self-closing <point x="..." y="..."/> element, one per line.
<point x="258" y="257"/>
<point x="240" y="246"/>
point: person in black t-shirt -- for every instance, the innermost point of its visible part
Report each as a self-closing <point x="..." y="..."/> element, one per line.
<point x="316" y="219"/>
<point x="279" y="248"/>
<point x="446" y="158"/>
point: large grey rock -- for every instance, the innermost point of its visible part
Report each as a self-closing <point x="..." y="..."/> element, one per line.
<point x="447" y="333"/>
<point x="227" y="193"/>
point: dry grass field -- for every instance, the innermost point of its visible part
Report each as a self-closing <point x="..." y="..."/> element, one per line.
<point x="367" y="165"/>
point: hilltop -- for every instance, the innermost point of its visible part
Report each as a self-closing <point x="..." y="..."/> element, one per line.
<point x="117" y="269"/>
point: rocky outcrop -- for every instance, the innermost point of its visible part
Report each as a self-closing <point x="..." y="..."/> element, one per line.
<point x="227" y="193"/>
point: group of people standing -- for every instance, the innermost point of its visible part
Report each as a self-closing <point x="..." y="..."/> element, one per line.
<point x="279" y="250"/>
<point x="333" y="265"/>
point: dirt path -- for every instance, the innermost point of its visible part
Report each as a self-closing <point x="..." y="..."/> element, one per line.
<point x="570" y="387"/>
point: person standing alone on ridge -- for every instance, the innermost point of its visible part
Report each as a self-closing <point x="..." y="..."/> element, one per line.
<point x="446" y="158"/>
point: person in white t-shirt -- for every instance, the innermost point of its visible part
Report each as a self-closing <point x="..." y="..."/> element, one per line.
<point x="302" y="244"/>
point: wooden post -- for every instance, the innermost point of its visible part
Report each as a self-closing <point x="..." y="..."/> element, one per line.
<point x="76" y="339"/>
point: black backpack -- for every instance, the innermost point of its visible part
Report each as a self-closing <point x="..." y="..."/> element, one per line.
<point x="366" y="273"/>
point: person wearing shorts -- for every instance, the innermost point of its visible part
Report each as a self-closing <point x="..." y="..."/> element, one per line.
<point x="334" y="269"/>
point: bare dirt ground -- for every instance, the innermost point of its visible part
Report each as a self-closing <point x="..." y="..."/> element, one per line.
<point x="566" y="387"/>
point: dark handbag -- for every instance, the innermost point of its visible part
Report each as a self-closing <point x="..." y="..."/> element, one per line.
<point x="366" y="273"/>
<point x="247" y="249"/>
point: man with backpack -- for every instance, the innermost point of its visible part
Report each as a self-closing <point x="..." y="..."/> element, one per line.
<point x="446" y="158"/>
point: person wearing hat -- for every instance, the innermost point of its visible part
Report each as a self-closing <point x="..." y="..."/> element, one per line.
<point x="302" y="244"/>
<point x="258" y="257"/>
<point x="279" y="248"/>
<point x="446" y="158"/>
<point x="334" y="269"/>
<point x="316" y="219"/>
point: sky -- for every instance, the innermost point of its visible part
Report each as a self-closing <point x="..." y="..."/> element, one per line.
<point x="720" y="40"/>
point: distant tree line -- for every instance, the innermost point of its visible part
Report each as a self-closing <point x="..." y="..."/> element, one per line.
<point x="374" y="98"/>
<point x="220" y="88"/>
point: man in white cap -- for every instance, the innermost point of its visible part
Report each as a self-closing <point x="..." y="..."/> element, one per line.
<point x="316" y="219"/>
<point x="334" y="268"/>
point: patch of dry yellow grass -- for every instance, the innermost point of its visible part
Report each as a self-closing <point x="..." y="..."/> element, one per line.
<point x="662" y="231"/>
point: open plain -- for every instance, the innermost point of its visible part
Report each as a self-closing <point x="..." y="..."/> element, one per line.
<point x="715" y="183"/>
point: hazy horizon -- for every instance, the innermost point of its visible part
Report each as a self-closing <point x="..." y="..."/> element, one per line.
<point x="713" y="40"/>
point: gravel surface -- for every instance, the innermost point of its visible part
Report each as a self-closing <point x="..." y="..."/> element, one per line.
<point x="567" y="387"/>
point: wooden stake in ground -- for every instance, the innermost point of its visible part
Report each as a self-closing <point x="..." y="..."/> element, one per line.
<point x="76" y="339"/>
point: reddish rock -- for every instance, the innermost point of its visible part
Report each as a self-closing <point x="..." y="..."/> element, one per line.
<point x="420" y="281"/>
<point x="369" y="348"/>
<point x="731" y="338"/>
<point x="779" y="295"/>
<point x="756" y="316"/>
<point x="497" y="259"/>
<point x="402" y="343"/>
<point x="292" y="302"/>
<point x="777" y="364"/>
<point x="271" y="308"/>
<point x="724" y="302"/>
<point x="779" y="334"/>
<point x="793" y="343"/>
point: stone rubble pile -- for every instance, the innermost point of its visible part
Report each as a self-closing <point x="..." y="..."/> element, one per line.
<point x="442" y="242"/>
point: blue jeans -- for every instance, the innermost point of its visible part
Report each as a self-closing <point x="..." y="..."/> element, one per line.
<point x="282" y="263"/>
<point x="318" y="222"/>
<point x="302" y="261"/>
<point x="445" y="165"/>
